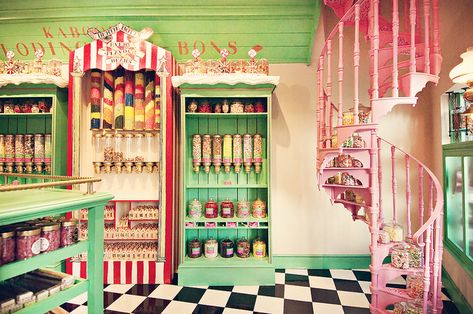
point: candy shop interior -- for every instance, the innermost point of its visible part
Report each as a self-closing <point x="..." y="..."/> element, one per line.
<point x="207" y="157"/>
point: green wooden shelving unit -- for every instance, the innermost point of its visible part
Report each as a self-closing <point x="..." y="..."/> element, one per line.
<point x="203" y="186"/>
<point x="18" y="206"/>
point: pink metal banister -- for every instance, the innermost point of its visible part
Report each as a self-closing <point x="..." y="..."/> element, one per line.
<point x="395" y="83"/>
<point x="427" y="36"/>
<point x="340" y="73"/>
<point x="356" y="62"/>
<point x="412" y="16"/>
<point x="408" y="198"/>
<point x="380" y="181"/>
<point x="393" y="181"/>
<point x="328" y="131"/>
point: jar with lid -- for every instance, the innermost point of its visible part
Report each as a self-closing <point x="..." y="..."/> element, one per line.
<point x="195" y="248"/>
<point x="108" y="149"/>
<point x="195" y="209"/>
<point x="211" y="209"/>
<point x="243" y="209"/>
<point x="140" y="151"/>
<point x="400" y="308"/>
<point x="415" y="285"/>
<point x="243" y="248"/>
<point x="259" y="208"/>
<point x="400" y="257"/>
<point x="211" y="248"/>
<point x="98" y="147"/>
<point x="394" y="230"/>
<point x="69" y="233"/>
<point x="29" y="152"/>
<point x="227" y="209"/>
<point x="19" y="152"/>
<point x="28" y="242"/>
<point x="2" y="151"/>
<point x="358" y="141"/>
<point x="226" y="248"/>
<point x="7" y="253"/>
<point x="9" y="151"/>
<point x="192" y="106"/>
<point x="151" y="152"/>
<point x="50" y="236"/>
<point x="47" y="152"/>
<point x="414" y="308"/>
<point x="259" y="248"/>
<point x="415" y="254"/>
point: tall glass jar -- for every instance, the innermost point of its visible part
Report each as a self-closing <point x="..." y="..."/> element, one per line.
<point x="2" y="151"/>
<point x="108" y="149"/>
<point x="119" y="148"/>
<point x="19" y="152"/>
<point x="259" y="248"/>
<point x="211" y="248"/>
<point x="98" y="147"/>
<point x="7" y="254"/>
<point x="243" y="248"/>
<point x="50" y="236"/>
<point x="195" y="248"/>
<point x="39" y="151"/>
<point x="151" y="152"/>
<point x="47" y="148"/>
<point x="139" y="148"/>
<point x="28" y="242"/>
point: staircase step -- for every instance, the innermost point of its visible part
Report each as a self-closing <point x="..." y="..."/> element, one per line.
<point x="404" y="38"/>
<point x="387" y="296"/>
<point x="387" y="273"/>
<point x="382" y="106"/>
<point x="412" y="83"/>
<point x="335" y="151"/>
<point x="345" y="131"/>
<point x="386" y="53"/>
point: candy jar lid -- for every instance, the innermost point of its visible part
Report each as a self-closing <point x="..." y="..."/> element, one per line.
<point x="211" y="200"/>
<point x="195" y="201"/>
<point x="211" y="240"/>
<point x="227" y="241"/>
<point x="195" y="240"/>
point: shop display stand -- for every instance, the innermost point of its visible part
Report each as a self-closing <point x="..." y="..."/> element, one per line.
<point x="96" y="81"/>
<point x="19" y="206"/>
<point x="235" y="186"/>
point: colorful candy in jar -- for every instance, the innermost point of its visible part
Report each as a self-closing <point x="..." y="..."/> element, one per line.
<point x="217" y="152"/>
<point x="204" y="107"/>
<point x="225" y="106"/>
<point x="206" y="152"/>
<point x="119" y="99"/>
<point x="139" y="100"/>
<point x="149" y="100"/>
<point x="415" y="254"/>
<point x="249" y="108"/>
<point x="196" y="152"/>
<point x="129" y="100"/>
<point x="9" y="148"/>
<point x="243" y="248"/>
<point x="400" y="257"/>
<point x="192" y="106"/>
<point x="218" y="108"/>
<point x="400" y="308"/>
<point x="2" y="151"/>
<point x="226" y="248"/>
<point x="157" y="104"/>
<point x="227" y="209"/>
<point x="108" y="87"/>
<point x="237" y="107"/>
<point x="247" y="152"/>
<point x="69" y="232"/>
<point x="257" y="152"/>
<point x="95" y="96"/>
<point x="415" y="285"/>
<point x="38" y="148"/>
<point x="28" y="242"/>
<point x="237" y="152"/>
<point x="348" y="118"/>
<point x="211" y="209"/>
<point x="259" y="248"/>
<point x="195" y="209"/>
<point x="47" y="150"/>
<point x="358" y="141"/>
<point x="7" y="252"/>
<point x="211" y="248"/>
<point x="50" y="236"/>
<point x="195" y="248"/>
<point x="227" y="152"/>
<point x="259" y="107"/>
<point x="383" y="237"/>
<point x="259" y="208"/>
<point x="19" y="151"/>
<point x="395" y="231"/>
<point x="243" y="209"/>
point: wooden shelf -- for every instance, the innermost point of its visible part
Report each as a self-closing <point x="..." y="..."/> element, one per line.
<point x="220" y="219"/>
<point x="45" y="114"/>
<point x="226" y="115"/>
<point x="233" y="186"/>
<point x="57" y="299"/>
<point x="226" y="262"/>
<point x="340" y="201"/>
<point x="132" y="240"/>
<point x="326" y="185"/>
<point x="19" y="267"/>
<point x="144" y="220"/>
<point x="121" y="131"/>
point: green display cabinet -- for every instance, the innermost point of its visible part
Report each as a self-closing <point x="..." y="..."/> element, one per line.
<point x="248" y="184"/>
<point x="53" y="122"/>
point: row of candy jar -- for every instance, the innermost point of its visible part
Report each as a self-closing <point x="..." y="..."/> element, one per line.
<point x="227" y="209"/>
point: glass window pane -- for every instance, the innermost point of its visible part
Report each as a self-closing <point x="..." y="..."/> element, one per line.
<point x="454" y="200"/>
<point x="469" y="199"/>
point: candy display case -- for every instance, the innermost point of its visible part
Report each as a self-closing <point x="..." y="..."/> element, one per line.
<point x="225" y="179"/>
<point x="121" y="131"/>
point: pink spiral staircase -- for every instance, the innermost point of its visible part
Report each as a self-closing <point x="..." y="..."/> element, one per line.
<point x="401" y="57"/>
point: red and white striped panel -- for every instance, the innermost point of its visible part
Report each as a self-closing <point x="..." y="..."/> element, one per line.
<point x="89" y="57"/>
<point x="125" y="272"/>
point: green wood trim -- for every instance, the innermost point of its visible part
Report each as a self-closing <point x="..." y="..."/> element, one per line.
<point x="221" y="90"/>
<point x="246" y="87"/>
<point x="224" y="115"/>
<point x="458" y="149"/>
<point x="315" y="24"/>
<point x="13" y="269"/>
<point x="465" y="262"/>
<point x="95" y="259"/>
<point x="56" y="299"/>
<point x="455" y="294"/>
<point x="26" y="114"/>
<point x="233" y="186"/>
<point x="322" y="261"/>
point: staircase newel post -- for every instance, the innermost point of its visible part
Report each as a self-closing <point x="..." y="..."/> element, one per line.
<point x="340" y="73"/>
<point x="374" y="212"/>
<point x="356" y="63"/>
<point x="380" y="185"/>
<point x="395" y="83"/>
<point x="393" y="181"/>
<point x="317" y="110"/>
<point x="436" y="266"/>
<point x="436" y="37"/>
<point x="427" y="36"/>
<point x="328" y="131"/>
<point x="412" y="15"/>
<point x="321" y="101"/>
<point x="421" y="201"/>
<point x="375" y="65"/>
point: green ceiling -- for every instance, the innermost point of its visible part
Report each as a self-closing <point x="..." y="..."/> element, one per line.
<point x="283" y="30"/>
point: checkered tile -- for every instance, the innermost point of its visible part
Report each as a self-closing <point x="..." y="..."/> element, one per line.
<point x="296" y="291"/>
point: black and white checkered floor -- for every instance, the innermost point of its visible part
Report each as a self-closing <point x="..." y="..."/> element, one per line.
<point x="296" y="291"/>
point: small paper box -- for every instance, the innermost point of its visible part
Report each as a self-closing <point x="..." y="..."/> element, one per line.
<point x="210" y="225"/>
<point x="190" y="224"/>
<point x="231" y="224"/>
<point x="253" y="224"/>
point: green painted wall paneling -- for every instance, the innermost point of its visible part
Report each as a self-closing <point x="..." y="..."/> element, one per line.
<point x="281" y="30"/>
<point x="322" y="261"/>
<point x="54" y="123"/>
<point x="221" y="271"/>
<point x="455" y="294"/>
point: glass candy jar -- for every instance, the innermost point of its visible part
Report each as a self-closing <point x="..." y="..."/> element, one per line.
<point x="414" y="308"/>
<point x="192" y="106"/>
<point x="195" y="209"/>
<point x="211" y="209"/>
<point x="243" y="248"/>
<point x="211" y="248"/>
<point x="415" y="254"/>
<point x="415" y="285"/>
<point x="69" y="233"/>
<point x="204" y="107"/>
<point x="28" y="242"/>
<point x="195" y="248"/>
<point x="243" y="209"/>
<point x="7" y="253"/>
<point x="400" y="257"/>
<point x="395" y="231"/>
<point x="259" y="248"/>
<point x="226" y="248"/>
<point x="50" y="236"/>
<point x="259" y="208"/>
<point x="400" y="308"/>
<point x="227" y="209"/>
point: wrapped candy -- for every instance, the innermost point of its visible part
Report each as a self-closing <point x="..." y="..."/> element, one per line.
<point x="415" y="285"/>
<point x="400" y="257"/>
<point x="259" y="107"/>
<point x="243" y="248"/>
<point x="217" y="152"/>
<point x="47" y="151"/>
<point x="383" y="237"/>
<point x="237" y="107"/>
<point x="204" y="107"/>
<point x="119" y="99"/>
<point x="227" y="152"/>
<point x="237" y="152"/>
<point x="206" y="152"/>
<point x="196" y="152"/>
<point x="95" y="103"/>
<point x="247" y="152"/>
<point x="259" y="248"/>
<point x="157" y="103"/>
<point x="149" y="101"/>
<point x="259" y="208"/>
<point x="108" y="86"/>
<point x="395" y="231"/>
<point x="415" y="254"/>
<point x="257" y="152"/>
<point x="129" y="100"/>
<point x="139" y="100"/>
<point x="249" y="108"/>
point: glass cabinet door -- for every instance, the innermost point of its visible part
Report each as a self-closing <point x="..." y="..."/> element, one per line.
<point x="454" y="200"/>
<point x="468" y="180"/>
